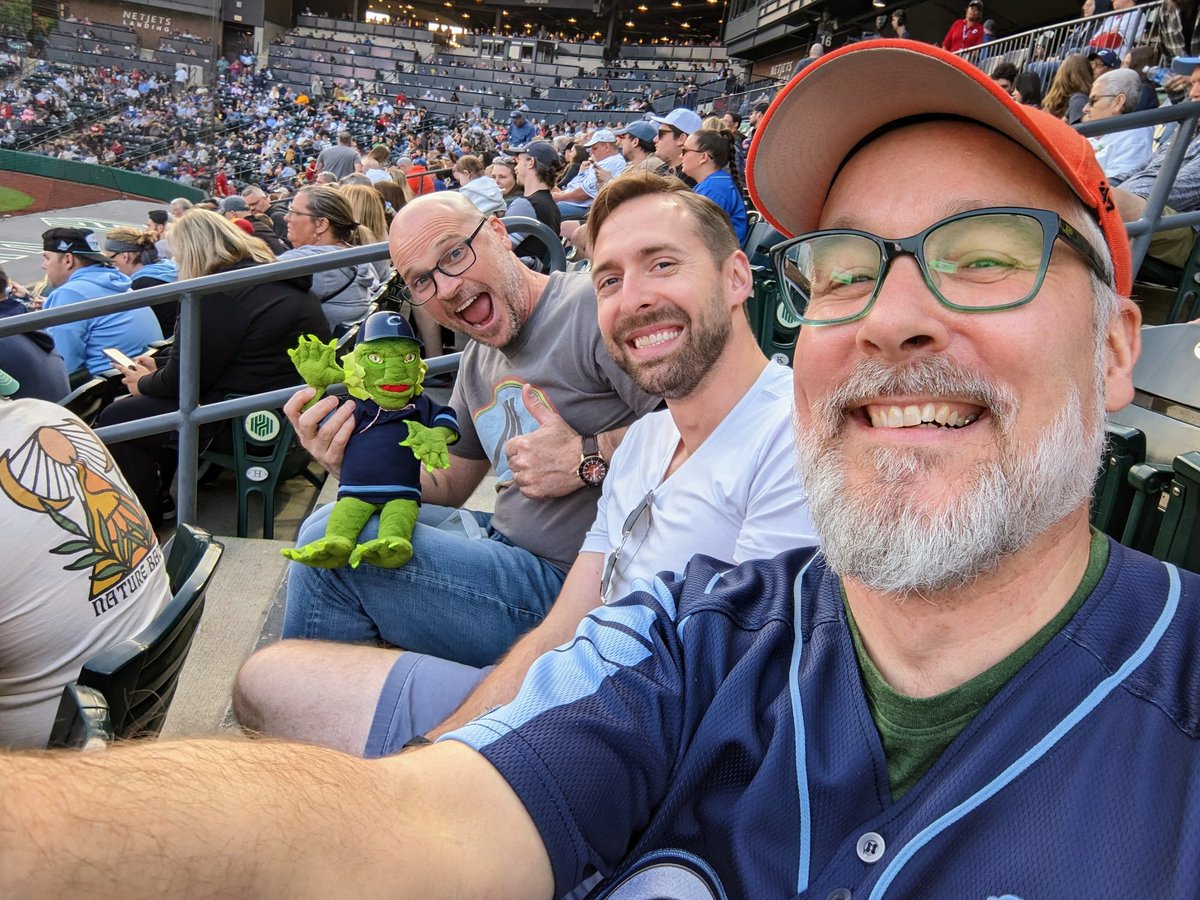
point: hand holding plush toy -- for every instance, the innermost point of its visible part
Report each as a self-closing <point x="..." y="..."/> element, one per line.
<point x="396" y="429"/>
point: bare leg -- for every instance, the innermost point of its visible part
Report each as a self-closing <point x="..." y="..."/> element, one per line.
<point x="314" y="691"/>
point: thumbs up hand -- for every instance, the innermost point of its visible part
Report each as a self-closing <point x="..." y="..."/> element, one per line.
<point x="545" y="462"/>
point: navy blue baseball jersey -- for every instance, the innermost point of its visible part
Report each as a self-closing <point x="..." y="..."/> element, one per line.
<point x="376" y="468"/>
<point x="710" y="738"/>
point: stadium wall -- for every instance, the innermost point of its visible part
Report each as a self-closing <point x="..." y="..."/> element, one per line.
<point x="100" y="176"/>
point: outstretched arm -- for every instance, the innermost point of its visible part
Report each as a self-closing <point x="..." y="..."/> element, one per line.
<point x="255" y="819"/>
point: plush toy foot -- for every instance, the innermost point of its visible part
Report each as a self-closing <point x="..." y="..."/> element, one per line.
<point x="330" y="552"/>
<point x="385" y="552"/>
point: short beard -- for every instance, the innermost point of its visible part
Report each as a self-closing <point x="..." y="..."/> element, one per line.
<point x="513" y="291"/>
<point x="882" y="534"/>
<point x="679" y="374"/>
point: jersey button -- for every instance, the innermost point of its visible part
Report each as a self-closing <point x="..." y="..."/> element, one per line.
<point x="870" y="847"/>
<point x="840" y="894"/>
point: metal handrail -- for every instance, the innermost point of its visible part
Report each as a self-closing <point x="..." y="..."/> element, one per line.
<point x="191" y="415"/>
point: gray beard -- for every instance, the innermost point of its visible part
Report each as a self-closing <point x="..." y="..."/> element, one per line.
<point x="884" y="532"/>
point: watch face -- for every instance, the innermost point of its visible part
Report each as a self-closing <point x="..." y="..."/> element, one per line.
<point x="592" y="470"/>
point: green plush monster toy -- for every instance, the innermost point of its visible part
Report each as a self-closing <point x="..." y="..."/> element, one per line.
<point x="396" y="428"/>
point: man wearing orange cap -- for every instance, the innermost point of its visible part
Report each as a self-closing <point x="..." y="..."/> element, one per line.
<point x="966" y="693"/>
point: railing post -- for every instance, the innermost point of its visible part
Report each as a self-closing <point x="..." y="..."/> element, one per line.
<point x="189" y="398"/>
<point x="1161" y="190"/>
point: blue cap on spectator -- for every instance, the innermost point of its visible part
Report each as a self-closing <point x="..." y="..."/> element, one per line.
<point x="641" y="130"/>
<point x="1183" y="65"/>
<point x="1110" y="59"/>
<point x="419" y="161"/>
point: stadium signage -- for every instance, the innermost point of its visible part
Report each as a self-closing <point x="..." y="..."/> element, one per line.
<point x="145" y="21"/>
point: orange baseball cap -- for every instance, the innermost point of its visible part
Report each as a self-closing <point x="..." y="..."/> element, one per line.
<point x="822" y="114"/>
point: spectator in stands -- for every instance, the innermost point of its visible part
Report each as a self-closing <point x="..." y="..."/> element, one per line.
<point x="477" y="187"/>
<point x="320" y="221"/>
<point x="504" y="173"/>
<point x="1027" y="89"/>
<point x="78" y="270"/>
<point x="537" y="166"/>
<point x="900" y="25"/>
<point x="576" y="198"/>
<point x="366" y="205"/>
<point x="574" y="155"/>
<point x="178" y="207"/>
<point x="636" y="143"/>
<point x="1069" y="90"/>
<point x="531" y="391"/>
<point x="156" y="222"/>
<point x="394" y="194"/>
<point x="1139" y="60"/>
<point x="134" y="253"/>
<point x="1123" y="32"/>
<point x="713" y="474"/>
<point x="1179" y="29"/>
<point x="815" y="52"/>
<point x="1081" y="35"/>
<point x="61" y="490"/>
<point x="236" y="209"/>
<point x="673" y="129"/>
<point x="264" y="211"/>
<point x="1102" y="61"/>
<point x="1120" y="153"/>
<point x="1172" y="246"/>
<point x="706" y="162"/>
<point x="966" y="32"/>
<point x="341" y="158"/>
<point x="30" y="357"/>
<point x="375" y="163"/>
<point x="415" y="173"/>
<point x="519" y="131"/>
<point x="245" y="334"/>
<point x="1004" y="75"/>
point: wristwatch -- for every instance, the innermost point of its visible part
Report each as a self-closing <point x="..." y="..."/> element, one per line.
<point x="592" y="466"/>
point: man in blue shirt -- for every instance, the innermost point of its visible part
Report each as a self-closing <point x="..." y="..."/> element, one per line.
<point x="78" y="270"/>
<point x="706" y="161"/>
<point x="520" y="132"/>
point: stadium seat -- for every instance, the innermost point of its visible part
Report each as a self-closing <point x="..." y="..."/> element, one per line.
<point x="125" y="691"/>
<point x="264" y="453"/>
<point x="555" y="259"/>
<point x="1113" y="496"/>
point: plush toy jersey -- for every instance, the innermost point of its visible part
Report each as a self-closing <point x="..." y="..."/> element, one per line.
<point x="396" y="430"/>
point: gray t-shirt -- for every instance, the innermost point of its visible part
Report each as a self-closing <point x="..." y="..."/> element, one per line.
<point x="338" y="159"/>
<point x="561" y="354"/>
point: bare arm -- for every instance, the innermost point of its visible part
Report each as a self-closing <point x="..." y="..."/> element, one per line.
<point x="258" y="819"/>
<point x="325" y="428"/>
<point x="580" y="594"/>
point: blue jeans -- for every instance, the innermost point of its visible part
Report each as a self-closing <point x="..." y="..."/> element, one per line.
<point x="573" y="210"/>
<point x="461" y="598"/>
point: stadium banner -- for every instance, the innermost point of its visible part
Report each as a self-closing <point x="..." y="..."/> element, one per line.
<point x="152" y="21"/>
<point x="779" y="67"/>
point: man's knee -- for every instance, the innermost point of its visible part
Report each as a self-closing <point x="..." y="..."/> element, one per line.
<point x="262" y="685"/>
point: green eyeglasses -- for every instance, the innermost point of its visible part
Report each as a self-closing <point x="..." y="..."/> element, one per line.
<point x="984" y="260"/>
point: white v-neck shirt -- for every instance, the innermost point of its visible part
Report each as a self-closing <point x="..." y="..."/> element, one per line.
<point x="736" y="497"/>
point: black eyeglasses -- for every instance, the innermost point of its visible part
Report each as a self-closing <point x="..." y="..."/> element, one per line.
<point x="455" y="261"/>
<point x="666" y="131"/>
<point x="691" y="150"/>
<point x="984" y="260"/>
<point x="642" y="510"/>
<point x="1092" y="101"/>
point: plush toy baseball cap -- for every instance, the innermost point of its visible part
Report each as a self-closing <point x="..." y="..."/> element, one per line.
<point x="820" y="117"/>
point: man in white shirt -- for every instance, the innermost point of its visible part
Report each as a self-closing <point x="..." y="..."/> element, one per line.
<point x="1120" y="153"/>
<point x="576" y="198"/>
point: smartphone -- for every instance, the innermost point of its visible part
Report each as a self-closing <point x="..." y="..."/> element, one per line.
<point x="122" y="361"/>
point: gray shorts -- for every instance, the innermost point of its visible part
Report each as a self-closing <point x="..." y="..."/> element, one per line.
<point x="418" y="695"/>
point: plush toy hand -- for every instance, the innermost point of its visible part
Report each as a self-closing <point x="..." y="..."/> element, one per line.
<point x="317" y="364"/>
<point x="429" y="445"/>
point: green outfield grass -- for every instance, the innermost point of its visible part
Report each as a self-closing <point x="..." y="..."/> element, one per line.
<point x="12" y="200"/>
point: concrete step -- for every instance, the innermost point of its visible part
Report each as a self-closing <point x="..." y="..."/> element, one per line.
<point x="248" y="584"/>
